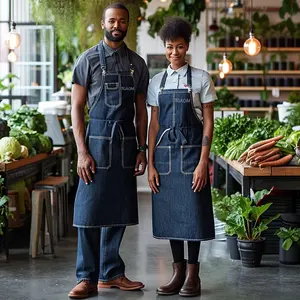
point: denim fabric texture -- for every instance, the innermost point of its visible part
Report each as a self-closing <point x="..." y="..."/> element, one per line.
<point x="179" y="212"/>
<point x="110" y="201"/>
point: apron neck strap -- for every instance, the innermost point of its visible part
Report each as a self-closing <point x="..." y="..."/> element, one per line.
<point x="103" y="61"/>
<point x="189" y="78"/>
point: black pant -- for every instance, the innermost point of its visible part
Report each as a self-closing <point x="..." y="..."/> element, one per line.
<point x="178" y="251"/>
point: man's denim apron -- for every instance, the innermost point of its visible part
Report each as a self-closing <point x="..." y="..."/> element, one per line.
<point x="111" y="199"/>
<point x="178" y="212"/>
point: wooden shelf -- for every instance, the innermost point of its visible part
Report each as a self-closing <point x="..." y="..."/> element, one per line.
<point x="258" y="72"/>
<point x="231" y="49"/>
<point x="259" y="88"/>
<point x="259" y="109"/>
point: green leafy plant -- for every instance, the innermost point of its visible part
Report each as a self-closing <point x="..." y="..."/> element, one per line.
<point x="3" y="86"/>
<point x="226" y="99"/>
<point x="28" y="117"/>
<point x="4" y="210"/>
<point x="246" y="221"/>
<point x="188" y="9"/>
<point x="294" y="97"/>
<point x="289" y="236"/>
<point x="294" y="117"/>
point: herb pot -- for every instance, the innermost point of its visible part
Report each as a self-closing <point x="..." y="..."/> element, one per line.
<point x="279" y="82"/>
<point x="296" y="82"/>
<point x="297" y="42"/>
<point x="258" y="81"/>
<point x="281" y="42"/>
<point x="291" y="65"/>
<point x="232" y="246"/>
<point x="222" y="42"/>
<point x="249" y="82"/>
<point x="288" y="81"/>
<point x="251" y="252"/>
<point x="270" y="81"/>
<point x="283" y="65"/>
<point x="272" y="42"/>
<point x="291" y="256"/>
<point x="237" y="81"/>
<point x="289" y="42"/>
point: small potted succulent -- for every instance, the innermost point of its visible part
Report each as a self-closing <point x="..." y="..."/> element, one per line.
<point x="289" y="246"/>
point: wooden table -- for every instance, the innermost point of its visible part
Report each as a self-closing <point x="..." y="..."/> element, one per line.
<point x="283" y="178"/>
<point x="40" y="165"/>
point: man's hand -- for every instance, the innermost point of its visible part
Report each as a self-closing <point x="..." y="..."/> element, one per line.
<point x="86" y="167"/>
<point x="199" y="177"/>
<point x="140" y="160"/>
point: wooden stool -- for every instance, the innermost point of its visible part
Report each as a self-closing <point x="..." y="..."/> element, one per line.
<point x="41" y="210"/>
<point x="57" y="185"/>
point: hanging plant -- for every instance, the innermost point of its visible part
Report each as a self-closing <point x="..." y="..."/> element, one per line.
<point x="188" y="9"/>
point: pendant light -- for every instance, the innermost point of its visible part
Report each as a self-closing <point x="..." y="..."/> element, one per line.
<point x="12" y="56"/>
<point x="221" y="75"/>
<point x="252" y="46"/>
<point x="13" y="38"/>
<point x="225" y="65"/>
<point x="214" y="26"/>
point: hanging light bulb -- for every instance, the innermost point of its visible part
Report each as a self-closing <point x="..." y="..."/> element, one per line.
<point x="252" y="46"/>
<point x="13" y="39"/>
<point x="221" y="75"/>
<point x="12" y="56"/>
<point x="225" y="65"/>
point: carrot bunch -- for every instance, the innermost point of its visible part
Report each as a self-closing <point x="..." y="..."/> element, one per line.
<point x="265" y="154"/>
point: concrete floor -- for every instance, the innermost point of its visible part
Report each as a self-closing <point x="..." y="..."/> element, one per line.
<point x="148" y="260"/>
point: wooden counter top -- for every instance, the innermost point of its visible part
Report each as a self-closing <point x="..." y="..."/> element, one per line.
<point x="246" y="170"/>
<point x="8" y="166"/>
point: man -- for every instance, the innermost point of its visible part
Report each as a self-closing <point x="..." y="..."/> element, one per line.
<point x="113" y="80"/>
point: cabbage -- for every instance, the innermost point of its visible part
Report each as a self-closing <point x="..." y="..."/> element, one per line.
<point x="21" y="137"/>
<point x="10" y="144"/>
<point x="46" y="144"/>
<point x="24" y="151"/>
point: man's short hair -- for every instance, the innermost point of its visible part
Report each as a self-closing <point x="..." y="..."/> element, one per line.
<point x="115" y="5"/>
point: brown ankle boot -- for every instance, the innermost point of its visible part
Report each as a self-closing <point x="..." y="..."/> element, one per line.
<point x="176" y="282"/>
<point x="192" y="283"/>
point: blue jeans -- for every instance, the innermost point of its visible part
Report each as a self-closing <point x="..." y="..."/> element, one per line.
<point x="98" y="255"/>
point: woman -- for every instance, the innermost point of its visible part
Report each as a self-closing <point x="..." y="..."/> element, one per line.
<point x="180" y="136"/>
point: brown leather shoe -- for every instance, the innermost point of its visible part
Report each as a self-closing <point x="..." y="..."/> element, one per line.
<point x="192" y="283"/>
<point x="122" y="283"/>
<point x="83" y="290"/>
<point x="176" y="282"/>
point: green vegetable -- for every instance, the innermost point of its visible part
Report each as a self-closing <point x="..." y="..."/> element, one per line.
<point x="29" y="118"/>
<point x="290" y="236"/>
<point x="46" y="144"/>
<point x="294" y="139"/>
<point x="10" y="144"/>
<point x="294" y="117"/>
<point x="21" y="137"/>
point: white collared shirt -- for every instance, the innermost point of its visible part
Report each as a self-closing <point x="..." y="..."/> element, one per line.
<point x="202" y="86"/>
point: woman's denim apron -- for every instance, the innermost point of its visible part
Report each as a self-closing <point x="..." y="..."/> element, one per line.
<point x="178" y="212"/>
<point x="111" y="199"/>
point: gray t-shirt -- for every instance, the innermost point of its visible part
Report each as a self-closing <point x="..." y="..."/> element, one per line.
<point x="87" y="71"/>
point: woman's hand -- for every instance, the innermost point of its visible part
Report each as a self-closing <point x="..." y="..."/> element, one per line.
<point x="199" y="177"/>
<point x="153" y="179"/>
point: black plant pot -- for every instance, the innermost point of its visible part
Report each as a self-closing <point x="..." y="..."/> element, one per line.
<point x="233" y="247"/>
<point x="251" y="252"/>
<point x="290" y="257"/>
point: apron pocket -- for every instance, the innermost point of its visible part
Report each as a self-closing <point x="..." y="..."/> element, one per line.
<point x="129" y="150"/>
<point x="100" y="148"/>
<point x="190" y="156"/>
<point x="112" y="94"/>
<point x="163" y="160"/>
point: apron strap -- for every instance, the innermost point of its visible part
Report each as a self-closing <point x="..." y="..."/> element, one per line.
<point x="102" y="57"/>
<point x="189" y="79"/>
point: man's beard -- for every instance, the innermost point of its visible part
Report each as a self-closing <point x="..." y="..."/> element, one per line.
<point x="110" y="37"/>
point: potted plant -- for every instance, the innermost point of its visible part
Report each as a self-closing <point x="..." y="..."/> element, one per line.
<point x="226" y="99"/>
<point x="248" y="225"/>
<point x="289" y="246"/>
<point x="285" y="108"/>
<point x="223" y="206"/>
